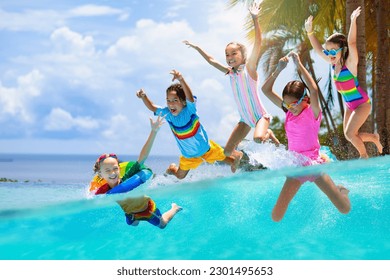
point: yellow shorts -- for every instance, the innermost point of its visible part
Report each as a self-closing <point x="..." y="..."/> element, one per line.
<point x="214" y="154"/>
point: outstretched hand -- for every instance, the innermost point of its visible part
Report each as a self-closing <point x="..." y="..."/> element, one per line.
<point x="309" y="24"/>
<point x="254" y="9"/>
<point x="155" y="125"/>
<point x="140" y="93"/>
<point x="189" y="44"/>
<point x="282" y="63"/>
<point x="356" y="13"/>
<point x="176" y="75"/>
<point x="295" y="57"/>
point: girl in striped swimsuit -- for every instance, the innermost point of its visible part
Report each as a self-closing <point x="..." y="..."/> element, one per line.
<point x="343" y="55"/>
<point x="244" y="81"/>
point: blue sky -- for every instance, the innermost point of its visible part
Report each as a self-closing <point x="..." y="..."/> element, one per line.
<point x="69" y="72"/>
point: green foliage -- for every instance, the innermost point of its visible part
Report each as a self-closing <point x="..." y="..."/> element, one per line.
<point x="277" y="126"/>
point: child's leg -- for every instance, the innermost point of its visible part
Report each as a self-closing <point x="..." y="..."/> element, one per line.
<point x="173" y="169"/>
<point x="353" y="122"/>
<point x="290" y="188"/>
<point x="239" y="132"/>
<point x="261" y="130"/>
<point x="167" y="216"/>
<point x="337" y="194"/>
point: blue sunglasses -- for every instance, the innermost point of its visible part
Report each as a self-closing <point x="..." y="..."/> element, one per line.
<point x="332" y="52"/>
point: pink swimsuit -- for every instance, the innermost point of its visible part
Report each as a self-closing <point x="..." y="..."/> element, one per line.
<point x="302" y="134"/>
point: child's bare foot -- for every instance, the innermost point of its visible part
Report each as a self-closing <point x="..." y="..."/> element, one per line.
<point x="176" y="208"/>
<point x="171" y="169"/>
<point x="237" y="158"/>
<point x="378" y="143"/>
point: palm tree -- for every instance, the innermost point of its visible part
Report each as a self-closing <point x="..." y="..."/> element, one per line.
<point x="382" y="71"/>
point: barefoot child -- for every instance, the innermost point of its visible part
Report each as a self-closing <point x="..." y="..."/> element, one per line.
<point x="190" y="135"/>
<point x="303" y="118"/>
<point x="342" y="54"/>
<point x="144" y="209"/>
<point x="244" y="81"/>
<point x="109" y="181"/>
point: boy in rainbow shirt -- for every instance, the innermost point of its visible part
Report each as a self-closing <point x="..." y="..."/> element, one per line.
<point x="190" y="135"/>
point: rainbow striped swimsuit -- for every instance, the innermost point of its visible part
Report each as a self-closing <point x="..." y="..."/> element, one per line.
<point x="189" y="133"/>
<point x="247" y="97"/>
<point x="348" y="86"/>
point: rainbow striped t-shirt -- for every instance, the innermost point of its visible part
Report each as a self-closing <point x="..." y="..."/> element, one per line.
<point x="189" y="133"/>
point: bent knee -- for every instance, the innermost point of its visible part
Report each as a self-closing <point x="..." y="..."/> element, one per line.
<point x="350" y="134"/>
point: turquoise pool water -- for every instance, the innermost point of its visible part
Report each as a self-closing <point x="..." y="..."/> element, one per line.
<point x="225" y="216"/>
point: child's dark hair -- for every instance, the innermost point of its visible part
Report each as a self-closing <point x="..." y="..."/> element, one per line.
<point x="340" y="40"/>
<point x="241" y="47"/>
<point x="179" y="91"/>
<point x="96" y="166"/>
<point x="294" y="89"/>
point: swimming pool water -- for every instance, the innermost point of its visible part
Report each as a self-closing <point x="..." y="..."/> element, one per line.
<point x="225" y="216"/>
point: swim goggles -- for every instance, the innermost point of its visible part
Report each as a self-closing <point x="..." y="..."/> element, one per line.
<point x="295" y="103"/>
<point x="104" y="156"/>
<point x="332" y="52"/>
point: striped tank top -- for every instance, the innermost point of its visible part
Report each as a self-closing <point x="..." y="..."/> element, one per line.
<point x="247" y="98"/>
<point x="348" y="86"/>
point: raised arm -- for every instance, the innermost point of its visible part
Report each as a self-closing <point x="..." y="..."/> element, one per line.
<point x="313" y="39"/>
<point x="208" y="57"/>
<point x="187" y="90"/>
<point x="253" y="60"/>
<point x="155" y="126"/>
<point x="353" y="57"/>
<point x="268" y="85"/>
<point x="149" y="104"/>
<point x="310" y="83"/>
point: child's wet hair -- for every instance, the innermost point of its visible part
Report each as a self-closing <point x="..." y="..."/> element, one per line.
<point x="179" y="91"/>
<point x="294" y="89"/>
<point x="101" y="158"/>
<point x="340" y="40"/>
<point x="241" y="47"/>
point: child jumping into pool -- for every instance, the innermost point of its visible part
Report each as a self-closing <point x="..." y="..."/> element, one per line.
<point x="303" y="117"/>
<point x="342" y="54"/>
<point x="108" y="170"/>
<point x="244" y="82"/>
<point x="191" y="137"/>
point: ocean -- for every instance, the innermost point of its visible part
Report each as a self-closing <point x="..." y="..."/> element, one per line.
<point x="47" y="213"/>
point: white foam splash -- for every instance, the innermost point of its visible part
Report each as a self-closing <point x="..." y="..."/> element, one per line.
<point x="269" y="155"/>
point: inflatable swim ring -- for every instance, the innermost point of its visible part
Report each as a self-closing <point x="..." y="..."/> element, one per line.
<point x="134" y="181"/>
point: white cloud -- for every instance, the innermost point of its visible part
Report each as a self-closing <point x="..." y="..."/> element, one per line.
<point x="68" y="41"/>
<point x="119" y="127"/>
<point x="94" y="10"/>
<point x="124" y="44"/>
<point x="61" y="120"/>
<point x="15" y="101"/>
